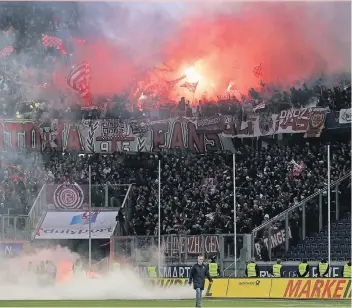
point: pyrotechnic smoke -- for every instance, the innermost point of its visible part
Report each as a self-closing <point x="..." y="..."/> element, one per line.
<point x="223" y="42"/>
<point x="17" y="283"/>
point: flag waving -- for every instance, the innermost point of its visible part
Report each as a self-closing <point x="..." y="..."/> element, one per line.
<point x="53" y="41"/>
<point x="79" y="79"/>
<point x="258" y="71"/>
<point x="163" y="68"/>
<point x="261" y="105"/>
<point x="297" y="168"/>
<point x="6" y="51"/>
<point x="172" y="83"/>
<point x="190" y="86"/>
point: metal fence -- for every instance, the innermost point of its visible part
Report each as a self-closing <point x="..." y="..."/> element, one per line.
<point x="295" y="223"/>
<point x="15" y="228"/>
<point x="177" y="249"/>
<point x="64" y="196"/>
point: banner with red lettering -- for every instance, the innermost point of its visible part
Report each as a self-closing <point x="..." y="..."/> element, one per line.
<point x="106" y="136"/>
<point x="194" y="244"/>
<point x="327" y="288"/>
<point x="201" y="136"/>
<point x="310" y="121"/>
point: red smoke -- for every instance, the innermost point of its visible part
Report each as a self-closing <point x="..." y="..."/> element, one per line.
<point x="290" y="42"/>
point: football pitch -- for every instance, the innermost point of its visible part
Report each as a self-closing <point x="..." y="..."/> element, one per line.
<point x="178" y="303"/>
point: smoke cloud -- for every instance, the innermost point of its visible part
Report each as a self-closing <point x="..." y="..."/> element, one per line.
<point x="220" y="42"/>
<point x="223" y="42"/>
<point x="17" y="284"/>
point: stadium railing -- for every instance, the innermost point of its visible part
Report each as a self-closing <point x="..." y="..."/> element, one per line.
<point x="179" y="249"/>
<point x="293" y="221"/>
<point x="102" y="196"/>
<point x="15" y="228"/>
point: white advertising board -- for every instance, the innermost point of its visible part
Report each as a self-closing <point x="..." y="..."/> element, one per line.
<point x="75" y="225"/>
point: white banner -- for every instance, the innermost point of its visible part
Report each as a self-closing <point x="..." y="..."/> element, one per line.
<point x="310" y="121"/>
<point x="345" y="116"/>
<point x="74" y="225"/>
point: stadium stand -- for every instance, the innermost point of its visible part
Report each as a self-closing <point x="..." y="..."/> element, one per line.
<point x="316" y="245"/>
<point x="197" y="196"/>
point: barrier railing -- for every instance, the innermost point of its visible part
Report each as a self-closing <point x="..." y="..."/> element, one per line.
<point x="15" y="228"/>
<point x="37" y="210"/>
<point x="178" y="249"/>
<point x="71" y="197"/>
<point x="291" y="225"/>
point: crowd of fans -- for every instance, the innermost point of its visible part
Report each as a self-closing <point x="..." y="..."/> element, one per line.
<point x="22" y="78"/>
<point x="196" y="190"/>
<point x="265" y="187"/>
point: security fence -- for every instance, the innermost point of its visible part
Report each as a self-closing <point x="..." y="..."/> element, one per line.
<point x="70" y="197"/>
<point x="15" y="228"/>
<point x="296" y="223"/>
<point x="178" y="249"/>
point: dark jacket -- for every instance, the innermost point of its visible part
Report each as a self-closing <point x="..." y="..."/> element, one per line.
<point x="198" y="275"/>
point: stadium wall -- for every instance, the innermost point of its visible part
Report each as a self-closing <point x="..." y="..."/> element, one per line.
<point x="275" y="288"/>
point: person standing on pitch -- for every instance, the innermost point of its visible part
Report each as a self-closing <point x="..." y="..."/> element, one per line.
<point x="198" y="274"/>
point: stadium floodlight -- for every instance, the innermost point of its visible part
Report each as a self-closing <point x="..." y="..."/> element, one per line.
<point x="234" y="211"/>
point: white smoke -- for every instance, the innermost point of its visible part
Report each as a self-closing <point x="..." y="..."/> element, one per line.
<point x="17" y="284"/>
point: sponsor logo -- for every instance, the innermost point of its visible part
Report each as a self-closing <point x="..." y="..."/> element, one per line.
<point x="83" y="219"/>
<point x="68" y="196"/>
<point x="177" y="271"/>
<point x="318" y="288"/>
<point x="168" y="283"/>
<point x="75" y="232"/>
<point x="249" y="283"/>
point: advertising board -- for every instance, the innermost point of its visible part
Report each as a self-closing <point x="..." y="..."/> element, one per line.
<point x="326" y="288"/>
<point x="13" y="248"/>
<point x="75" y="225"/>
<point x="290" y="271"/>
<point x="216" y="290"/>
<point x="314" y="288"/>
<point x="249" y="288"/>
<point x="174" y="271"/>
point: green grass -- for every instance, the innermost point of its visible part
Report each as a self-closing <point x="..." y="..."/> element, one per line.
<point x="179" y="303"/>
